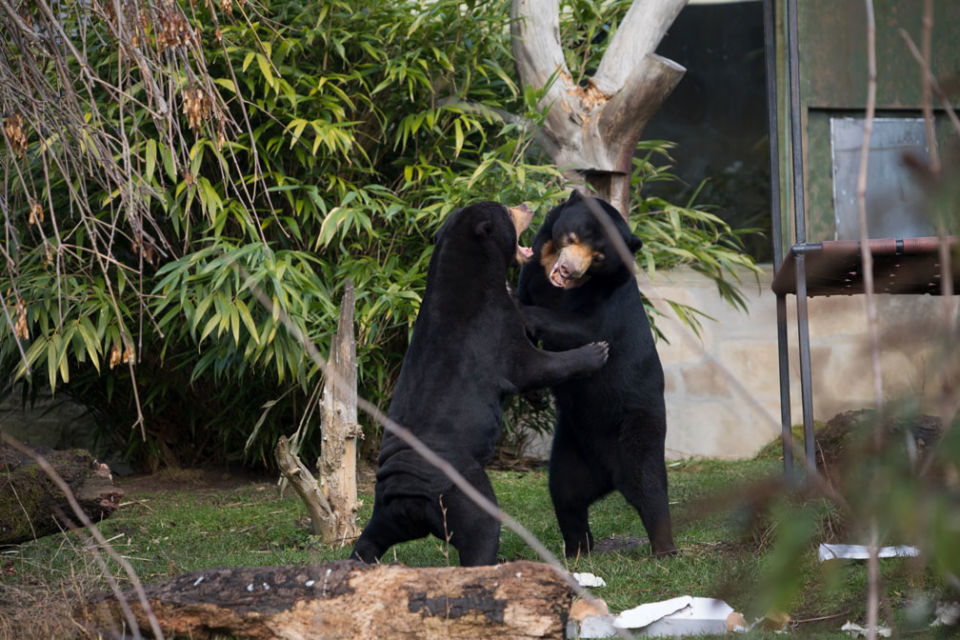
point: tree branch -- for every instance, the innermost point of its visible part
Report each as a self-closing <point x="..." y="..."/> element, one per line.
<point x="535" y="30"/>
<point x="637" y="36"/>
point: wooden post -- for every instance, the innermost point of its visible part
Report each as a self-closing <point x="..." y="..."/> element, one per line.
<point x="338" y="424"/>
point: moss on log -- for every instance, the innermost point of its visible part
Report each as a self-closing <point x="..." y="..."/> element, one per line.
<point x="32" y="506"/>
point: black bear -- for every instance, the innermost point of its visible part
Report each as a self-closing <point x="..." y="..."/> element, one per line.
<point x="468" y="351"/>
<point x="611" y="425"/>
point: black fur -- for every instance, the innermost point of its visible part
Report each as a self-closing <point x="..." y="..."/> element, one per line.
<point x="611" y="425"/>
<point x="468" y="351"/>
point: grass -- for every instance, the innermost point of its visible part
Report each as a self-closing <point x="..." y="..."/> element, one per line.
<point x="168" y="532"/>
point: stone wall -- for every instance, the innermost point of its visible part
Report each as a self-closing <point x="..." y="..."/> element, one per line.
<point x="722" y="391"/>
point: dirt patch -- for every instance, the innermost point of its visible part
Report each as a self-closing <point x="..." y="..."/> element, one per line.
<point x="198" y="480"/>
<point x="219" y="480"/>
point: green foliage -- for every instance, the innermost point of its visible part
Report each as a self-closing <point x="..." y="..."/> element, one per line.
<point x="287" y="147"/>
<point x="875" y="482"/>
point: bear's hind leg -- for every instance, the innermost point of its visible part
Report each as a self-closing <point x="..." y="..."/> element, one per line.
<point x="471" y="530"/>
<point x="401" y="520"/>
<point x="574" y="484"/>
<point x="641" y="476"/>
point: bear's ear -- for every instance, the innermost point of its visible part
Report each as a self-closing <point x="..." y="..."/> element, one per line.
<point x="483" y="228"/>
<point x="574" y="196"/>
<point x="634" y="243"/>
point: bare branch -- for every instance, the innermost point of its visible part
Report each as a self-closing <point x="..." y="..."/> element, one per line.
<point x="934" y="84"/>
<point x="637" y="36"/>
<point x="535" y="29"/>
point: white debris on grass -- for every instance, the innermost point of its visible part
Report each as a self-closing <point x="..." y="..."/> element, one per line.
<point x="861" y="552"/>
<point x="948" y="614"/>
<point x="856" y="630"/>
<point x="589" y="580"/>
<point x="681" y="616"/>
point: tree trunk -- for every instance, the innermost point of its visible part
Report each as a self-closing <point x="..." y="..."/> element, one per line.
<point x="592" y="131"/>
<point x="346" y="599"/>
<point x="338" y="424"/>
<point x="31" y="505"/>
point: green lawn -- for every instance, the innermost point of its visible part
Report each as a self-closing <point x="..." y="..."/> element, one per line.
<point x="165" y="533"/>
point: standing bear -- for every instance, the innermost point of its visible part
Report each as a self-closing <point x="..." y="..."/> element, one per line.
<point x="611" y="426"/>
<point x="469" y="350"/>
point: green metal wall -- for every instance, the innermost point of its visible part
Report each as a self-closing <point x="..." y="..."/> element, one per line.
<point x="833" y="82"/>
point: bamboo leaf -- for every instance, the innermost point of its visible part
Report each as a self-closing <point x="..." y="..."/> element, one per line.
<point x="151" y="160"/>
<point x="52" y="361"/>
<point x="248" y="320"/>
<point x="211" y="325"/>
<point x="265" y="69"/>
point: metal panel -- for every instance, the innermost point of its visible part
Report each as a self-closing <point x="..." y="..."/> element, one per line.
<point x="896" y="203"/>
<point x="833" y="52"/>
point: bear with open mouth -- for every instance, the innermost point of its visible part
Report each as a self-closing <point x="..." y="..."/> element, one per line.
<point x="611" y="425"/>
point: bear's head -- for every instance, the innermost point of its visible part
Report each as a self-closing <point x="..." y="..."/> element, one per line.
<point x="490" y="223"/>
<point x="575" y="243"/>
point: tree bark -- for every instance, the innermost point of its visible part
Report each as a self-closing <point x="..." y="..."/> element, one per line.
<point x="31" y="505"/>
<point x="592" y="131"/>
<point x="339" y="427"/>
<point x="347" y="599"/>
<point x="332" y="501"/>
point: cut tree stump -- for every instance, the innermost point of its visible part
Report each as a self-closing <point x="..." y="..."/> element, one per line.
<point x="350" y="600"/>
<point x="31" y="505"/>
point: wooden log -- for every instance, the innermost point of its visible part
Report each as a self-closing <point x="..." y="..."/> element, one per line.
<point x="350" y="600"/>
<point x="31" y="505"/>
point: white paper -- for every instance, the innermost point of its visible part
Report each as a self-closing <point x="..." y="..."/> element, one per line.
<point x="856" y="630"/>
<point x="681" y="616"/>
<point x="589" y="580"/>
<point x="641" y="616"/>
<point x="860" y="552"/>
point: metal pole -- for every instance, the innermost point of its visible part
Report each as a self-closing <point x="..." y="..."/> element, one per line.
<point x="800" y="227"/>
<point x="776" y="206"/>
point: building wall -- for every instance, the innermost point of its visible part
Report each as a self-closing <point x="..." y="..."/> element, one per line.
<point x="722" y="390"/>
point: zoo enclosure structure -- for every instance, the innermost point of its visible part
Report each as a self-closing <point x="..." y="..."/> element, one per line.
<point x="816" y="71"/>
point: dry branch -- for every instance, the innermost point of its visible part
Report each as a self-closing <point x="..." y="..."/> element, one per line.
<point x="348" y="599"/>
<point x="306" y="486"/>
<point x="332" y="501"/>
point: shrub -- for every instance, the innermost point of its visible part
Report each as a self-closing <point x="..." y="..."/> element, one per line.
<point x="168" y="163"/>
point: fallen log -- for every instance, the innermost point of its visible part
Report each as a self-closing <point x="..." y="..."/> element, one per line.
<point x="349" y="600"/>
<point x="31" y="505"/>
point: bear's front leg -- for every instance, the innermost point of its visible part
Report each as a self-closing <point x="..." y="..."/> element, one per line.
<point x="536" y="368"/>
